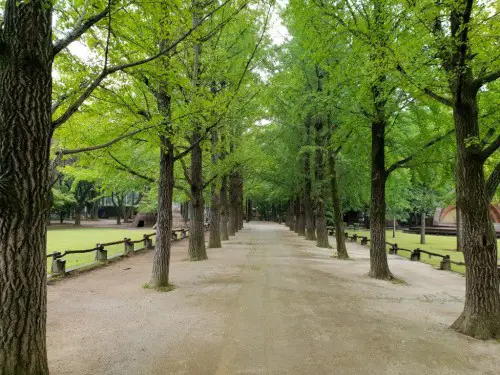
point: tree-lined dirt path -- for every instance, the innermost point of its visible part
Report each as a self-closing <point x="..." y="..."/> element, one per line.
<point x="269" y="302"/>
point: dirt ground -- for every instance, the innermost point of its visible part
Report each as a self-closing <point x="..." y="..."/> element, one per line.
<point x="269" y="302"/>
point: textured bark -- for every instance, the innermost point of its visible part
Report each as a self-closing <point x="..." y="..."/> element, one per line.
<point x="481" y="315"/>
<point x="25" y="128"/>
<point x="337" y="212"/>
<point x="214" y="240"/>
<point x="422" y="228"/>
<point x="224" y="216"/>
<point x="197" y="249"/>
<point x="161" y="256"/>
<point x="379" y="268"/>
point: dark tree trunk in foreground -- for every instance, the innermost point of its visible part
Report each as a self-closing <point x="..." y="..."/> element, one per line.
<point x="161" y="255"/>
<point x="197" y="250"/>
<point x="422" y="228"/>
<point x="379" y="268"/>
<point x="25" y="129"/>
<point x="224" y="214"/>
<point x="481" y="315"/>
<point x="337" y="212"/>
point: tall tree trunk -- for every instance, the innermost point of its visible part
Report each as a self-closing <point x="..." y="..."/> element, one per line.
<point x="379" y="268"/>
<point x="25" y="128"/>
<point x="337" y="212"/>
<point x="197" y="250"/>
<point x="214" y="240"/>
<point x="224" y="210"/>
<point x="481" y="315"/>
<point x="301" y="227"/>
<point x="394" y="226"/>
<point x="164" y="219"/>
<point x="422" y="228"/>
<point x="308" y="211"/>
<point x="78" y="216"/>
<point x="241" y="202"/>
<point x="321" y="231"/>
<point x="291" y="213"/>
<point x="233" y="214"/>
<point x="310" y="231"/>
<point x="161" y="256"/>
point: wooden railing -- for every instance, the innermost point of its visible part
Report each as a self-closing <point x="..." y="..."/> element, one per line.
<point x="58" y="267"/>
<point x="415" y="254"/>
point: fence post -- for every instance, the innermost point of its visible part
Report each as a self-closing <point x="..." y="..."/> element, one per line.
<point x="148" y="242"/>
<point x="129" y="246"/>
<point x="101" y="255"/>
<point x="445" y="263"/>
<point x="58" y="265"/>
<point x="364" y="240"/>
<point x="415" y="255"/>
<point x="355" y="237"/>
<point x="394" y="249"/>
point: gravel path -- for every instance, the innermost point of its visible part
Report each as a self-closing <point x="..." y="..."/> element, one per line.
<point x="269" y="302"/>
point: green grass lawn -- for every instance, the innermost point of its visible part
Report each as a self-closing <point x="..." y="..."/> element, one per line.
<point x="86" y="238"/>
<point x="445" y="245"/>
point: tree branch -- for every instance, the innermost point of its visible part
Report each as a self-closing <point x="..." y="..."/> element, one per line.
<point x="487" y="78"/>
<point x="206" y="184"/>
<point x="78" y="31"/>
<point x="401" y="163"/>
<point x="488" y="151"/>
<point x="126" y="168"/>
<point x="73" y="108"/>
<point x="493" y="182"/>
<point x="104" y="145"/>
<point x="426" y="90"/>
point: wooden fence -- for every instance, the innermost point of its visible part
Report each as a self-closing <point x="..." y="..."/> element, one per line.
<point x="415" y="254"/>
<point x="58" y="267"/>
